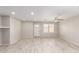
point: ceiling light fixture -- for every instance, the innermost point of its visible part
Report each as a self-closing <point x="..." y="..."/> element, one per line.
<point x="32" y="13"/>
<point x="13" y="13"/>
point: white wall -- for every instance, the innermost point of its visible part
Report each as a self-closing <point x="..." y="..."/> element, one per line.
<point x="27" y="30"/>
<point x="69" y="30"/>
<point x="0" y="21"/>
<point x="0" y="30"/>
<point x="15" y="30"/>
<point x="0" y="36"/>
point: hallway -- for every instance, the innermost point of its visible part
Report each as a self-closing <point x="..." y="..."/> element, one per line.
<point x="40" y="46"/>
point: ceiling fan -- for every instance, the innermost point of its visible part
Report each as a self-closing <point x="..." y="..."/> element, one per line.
<point x="56" y="19"/>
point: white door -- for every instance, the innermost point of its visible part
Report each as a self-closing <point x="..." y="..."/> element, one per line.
<point x="36" y="30"/>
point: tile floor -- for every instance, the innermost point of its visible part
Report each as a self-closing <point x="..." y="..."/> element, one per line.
<point x="51" y="45"/>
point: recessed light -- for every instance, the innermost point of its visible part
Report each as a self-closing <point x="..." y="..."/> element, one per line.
<point x="13" y="13"/>
<point x="32" y="13"/>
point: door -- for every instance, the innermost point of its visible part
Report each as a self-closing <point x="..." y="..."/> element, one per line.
<point x="36" y="30"/>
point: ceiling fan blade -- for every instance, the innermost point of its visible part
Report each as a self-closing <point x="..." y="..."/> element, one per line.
<point x="60" y="19"/>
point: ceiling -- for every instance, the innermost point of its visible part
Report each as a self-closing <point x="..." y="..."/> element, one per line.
<point x="40" y="12"/>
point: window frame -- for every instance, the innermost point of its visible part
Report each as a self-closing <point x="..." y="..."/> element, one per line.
<point x="48" y="31"/>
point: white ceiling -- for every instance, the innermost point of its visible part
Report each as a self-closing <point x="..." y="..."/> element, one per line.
<point x="40" y="12"/>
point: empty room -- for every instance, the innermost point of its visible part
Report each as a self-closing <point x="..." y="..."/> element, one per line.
<point x="39" y="29"/>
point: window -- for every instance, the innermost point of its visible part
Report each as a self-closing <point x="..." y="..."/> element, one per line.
<point x="51" y="27"/>
<point x="48" y="28"/>
<point x="45" y="27"/>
